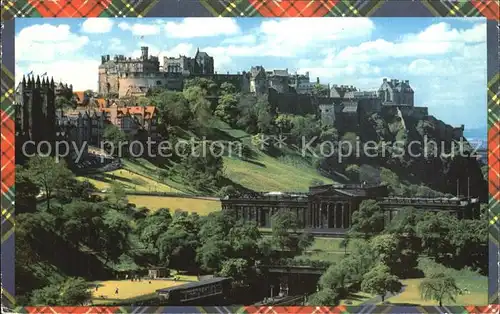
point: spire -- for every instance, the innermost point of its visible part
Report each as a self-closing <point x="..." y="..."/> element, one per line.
<point x="30" y="82"/>
<point x="37" y="84"/>
<point x="52" y="82"/>
<point x="23" y="81"/>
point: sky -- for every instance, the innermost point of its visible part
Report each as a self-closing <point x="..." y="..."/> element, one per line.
<point x="444" y="59"/>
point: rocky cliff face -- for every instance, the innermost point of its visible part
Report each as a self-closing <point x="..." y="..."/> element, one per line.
<point x="423" y="152"/>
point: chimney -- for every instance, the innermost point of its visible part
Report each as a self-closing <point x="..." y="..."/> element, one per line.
<point x="144" y="53"/>
<point x="317" y="80"/>
<point x="103" y="59"/>
<point x="385" y="80"/>
<point x="107" y="58"/>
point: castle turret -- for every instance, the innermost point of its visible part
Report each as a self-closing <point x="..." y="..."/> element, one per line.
<point x="144" y="53"/>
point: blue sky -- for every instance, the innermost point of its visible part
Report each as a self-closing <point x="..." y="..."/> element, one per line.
<point x="444" y="59"/>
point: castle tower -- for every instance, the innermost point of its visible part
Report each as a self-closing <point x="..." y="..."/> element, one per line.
<point x="144" y="53"/>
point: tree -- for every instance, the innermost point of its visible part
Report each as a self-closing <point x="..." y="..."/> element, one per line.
<point x="352" y="172"/>
<point x="368" y="220"/>
<point x="117" y="196"/>
<point x="227" y="88"/>
<point x="71" y="292"/>
<point x="50" y="176"/>
<point x="284" y="224"/>
<point x="237" y="268"/>
<point x="439" y="287"/>
<point x="202" y="169"/>
<point x="228" y="190"/>
<point x="115" y="138"/>
<point x="26" y="192"/>
<point x="208" y="86"/>
<point x="380" y="281"/>
<point x="198" y="104"/>
<point x="227" y="108"/>
<point x="322" y="297"/>
<point x="320" y="90"/>
<point x="173" y="108"/>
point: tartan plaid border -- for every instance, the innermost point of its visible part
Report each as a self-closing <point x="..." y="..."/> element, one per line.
<point x="296" y="8"/>
<point x="76" y="8"/>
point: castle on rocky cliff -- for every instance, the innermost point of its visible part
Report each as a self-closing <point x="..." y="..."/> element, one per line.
<point x="293" y="93"/>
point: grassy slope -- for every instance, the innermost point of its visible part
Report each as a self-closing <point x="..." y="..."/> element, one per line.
<point x="129" y="180"/>
<point x="477" y="286"/>
<point x="201" y="206"/>
<point x="289" y="172"/>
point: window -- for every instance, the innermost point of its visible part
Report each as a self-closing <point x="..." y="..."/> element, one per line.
<point x="158" y="82"/>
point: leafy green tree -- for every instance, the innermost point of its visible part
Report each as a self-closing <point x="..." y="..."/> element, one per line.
<point x="180" y="242"/>
<point x="305" y="126"/>
<point x="202" y="169"/>
<point x="368" y="220"/>
<point x="198" y="104"/>
<point x="26" y="192"/>
<point x="116" y="228"/>
<point x="173" y="108"/>
<point x="236" y="268"/>
<point x="434" y="230"/>
<point x="48" y="175"/>
<point x="117" y="196"/>
<point x="115" y="137"/>
<point x="324" y="296"/>
<point x="208" y="86"/>
<point x="71" y="292"/>
<point x="331" y="134"/>
<point x="227" y="88"/>
<point x="284" y="225"/>
<point x="228" y="190"/>
<point x="439" y="287"/>
<point x="380" y="281"/>
<point x="227" y="108"/>
<point x="352" y="172"/>
<point x="320" y="90"/>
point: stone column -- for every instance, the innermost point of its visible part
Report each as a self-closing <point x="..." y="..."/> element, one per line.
<point x="342" y="216"/>
<point x="328" y="215"/>
<point x="349" y="215"/>
<point x="313" y="216"/>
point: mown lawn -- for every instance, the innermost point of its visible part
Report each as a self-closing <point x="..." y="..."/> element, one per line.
<point x="475" y="284"/>
<point x="129" y="180"/>
<point x="265" y="173"/>
<point x="200" y="206"/>
<point x="127" y="289"/>
<point x="477" y="295"/>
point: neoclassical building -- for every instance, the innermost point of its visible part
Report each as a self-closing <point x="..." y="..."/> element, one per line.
<point x="330" y="207"/>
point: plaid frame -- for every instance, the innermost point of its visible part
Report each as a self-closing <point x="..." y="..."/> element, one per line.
<point x="76" y="8"/>
<point x="241" y="8"/>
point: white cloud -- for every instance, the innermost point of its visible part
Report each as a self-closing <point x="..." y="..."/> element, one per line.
<point x="243" y="39"/>
<point x="202" y="27"/>
<point x="291" y="37"/>
<point x="83" y="74"/>
<point x="140" y="29"/>
<point x="439" y="50"/>
<point x="47" y="42"/>
<point x="97" y="25"/>
<point x="116" y="45"/>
